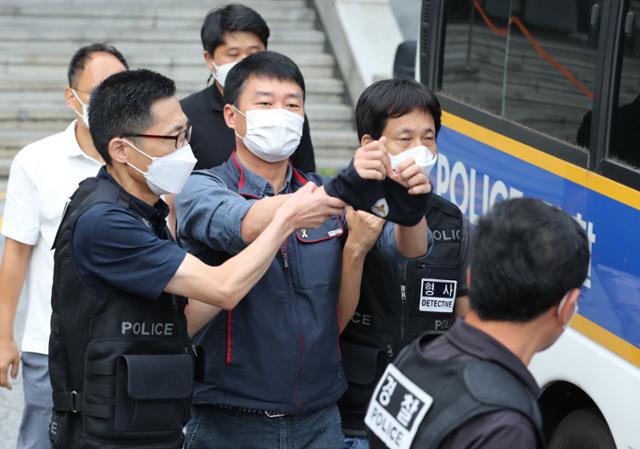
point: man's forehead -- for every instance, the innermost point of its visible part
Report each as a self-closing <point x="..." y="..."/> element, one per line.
<point x="168" y="115"/>
<point x="261" y="84"/>
<point x="98" y="67"/>
<point x="416" y="120"/>
<point x="241" y="39"/>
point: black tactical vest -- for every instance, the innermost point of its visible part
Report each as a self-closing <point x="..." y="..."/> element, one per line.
<point x="419" y="402"/>
<point x="397" y="304"/>
<point x="121" y="367"/>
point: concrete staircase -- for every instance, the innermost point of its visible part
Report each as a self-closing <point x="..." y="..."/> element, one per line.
<point x="38" y="37"/>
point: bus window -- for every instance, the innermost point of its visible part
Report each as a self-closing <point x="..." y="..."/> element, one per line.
<point x="530" y="62"/>
<point x="626" y="119"/>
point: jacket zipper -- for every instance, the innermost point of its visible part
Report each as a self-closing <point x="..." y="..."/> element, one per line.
<point x="403" y="298"/>
<point x="285" y="260"/>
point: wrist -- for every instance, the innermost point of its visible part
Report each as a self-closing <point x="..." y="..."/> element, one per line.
<point x="6" y="338"/>
<point x="355" y="250"/>
<point x="283" y="220"/>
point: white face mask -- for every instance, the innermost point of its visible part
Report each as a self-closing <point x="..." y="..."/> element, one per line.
<point x="167" y="174"/>
<point x="272" y="134"/>
<point x="220" y="73"/>
<point x="85" y="110"/>
<point x="561" y="306"/>
<point x="421" y="154"/>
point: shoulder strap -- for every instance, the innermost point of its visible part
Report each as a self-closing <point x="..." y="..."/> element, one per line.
<point x="444" y="206"/>
<point x="487" y="388"/>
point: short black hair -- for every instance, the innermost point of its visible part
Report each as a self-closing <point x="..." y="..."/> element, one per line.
<point x="525" y="256"/>
<point x="393" y="98"/>
<point x="264" y="63"/>
<point x="121" y="106"/>
<point x="233" y="17"/>
<point x="82" y="55"/>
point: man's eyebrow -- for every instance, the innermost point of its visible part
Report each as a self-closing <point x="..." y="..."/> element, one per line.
<point x="294" y="95"/>
<point x="181" y="127"/>
<point x="263" y="94"/>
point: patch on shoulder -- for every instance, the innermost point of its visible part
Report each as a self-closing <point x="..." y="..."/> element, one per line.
<point x="397" y="408"/>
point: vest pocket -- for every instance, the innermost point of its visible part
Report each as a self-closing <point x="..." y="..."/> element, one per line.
<point x="152" y="391"/>
<point x="361" y="365"/>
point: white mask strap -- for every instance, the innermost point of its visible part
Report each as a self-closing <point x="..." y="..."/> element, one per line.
<point x="75" y="94"/>
<point x="138" y="150"/>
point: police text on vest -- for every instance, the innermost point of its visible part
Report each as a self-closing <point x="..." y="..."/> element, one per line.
<point x="397" y="408"/>
<point x="143" y="328"/>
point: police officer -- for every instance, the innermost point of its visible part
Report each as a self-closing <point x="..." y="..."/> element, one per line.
<point x="471" y="387"/>
<point x="401" y="297"/>
<point x="121" y="363"/>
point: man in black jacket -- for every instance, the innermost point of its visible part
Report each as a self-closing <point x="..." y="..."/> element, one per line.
<point x="229" y="34"/>
<point x="471" y="387"/>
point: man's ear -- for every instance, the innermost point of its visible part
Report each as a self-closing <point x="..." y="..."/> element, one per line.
<point x="229" y="113"/>
<point x="70" y="98"/>
<point x="208" y="59"/>
<point x="366" y="139"/>
<point x="117" y="151"/>
<point x="566" y="310"/>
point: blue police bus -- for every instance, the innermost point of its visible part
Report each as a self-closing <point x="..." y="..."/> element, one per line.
<point x="542" y="99"/>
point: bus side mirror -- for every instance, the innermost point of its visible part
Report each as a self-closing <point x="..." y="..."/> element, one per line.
<point x="404" y="63"/>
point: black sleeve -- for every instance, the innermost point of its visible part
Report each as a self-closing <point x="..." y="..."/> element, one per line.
<point x="498" y="430"/>
<point x="386" y="199"/>
<point x="304" y="159"/>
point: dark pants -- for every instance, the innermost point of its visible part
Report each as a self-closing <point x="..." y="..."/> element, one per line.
<point x="218" y="428"/>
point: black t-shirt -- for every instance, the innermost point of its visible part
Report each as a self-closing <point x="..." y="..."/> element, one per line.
<point x="213" y="142"/>
<point x="499" y="430"/>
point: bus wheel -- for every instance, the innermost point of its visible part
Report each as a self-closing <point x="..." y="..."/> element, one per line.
<point x="582" y="429"/>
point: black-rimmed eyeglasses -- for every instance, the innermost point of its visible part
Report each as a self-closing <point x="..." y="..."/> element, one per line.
<point x="180" y="139"/>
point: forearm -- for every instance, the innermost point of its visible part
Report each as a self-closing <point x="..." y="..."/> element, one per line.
<point x="245" y="269"/>
<point x="260" y="215"/>
<point x="198" y="315"/>
<point x="350" y="283"/>
<point x="225" y="285"/>
<point x="12" y="273"/>
<point x="412" y="241"/>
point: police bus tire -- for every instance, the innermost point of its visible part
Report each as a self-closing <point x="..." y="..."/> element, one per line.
<point x="582" y="429"/>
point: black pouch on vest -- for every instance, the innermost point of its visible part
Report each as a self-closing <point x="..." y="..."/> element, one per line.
<point x="361" y="365"/>
<point x="152" y="392"/>
<point x="386" y="199"/>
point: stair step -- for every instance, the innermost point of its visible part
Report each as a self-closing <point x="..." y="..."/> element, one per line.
<point x="191" y="84"/>
<point x="118" y="10"/>
<point x="56" y="96"/>
<point x="20" y="35"/>
<point x="133" y="49"/>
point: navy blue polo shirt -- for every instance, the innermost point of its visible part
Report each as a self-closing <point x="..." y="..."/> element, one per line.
<point x="114" y="249"/>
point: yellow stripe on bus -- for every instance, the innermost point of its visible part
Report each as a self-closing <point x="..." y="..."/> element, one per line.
<point x="545" y="161"/>
<point x="605" y="338"/>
